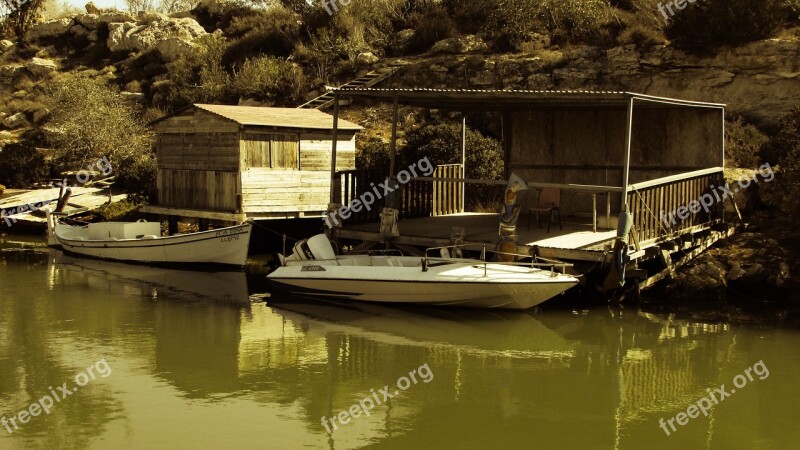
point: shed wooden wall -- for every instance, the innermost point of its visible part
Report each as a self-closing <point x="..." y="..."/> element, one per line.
<point x="671" y="141"/>
<point x="281" y="191"/>
<point x="569" y="146"/>
<point x="205" y="161"/>
<point x="198" y="161"/>
<point x="587" y="146"/>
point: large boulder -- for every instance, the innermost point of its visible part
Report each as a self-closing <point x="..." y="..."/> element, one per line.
<point x="5" y="45"/>
<point x="462" y="44"/>
<point x="40" y="67"/>
<point x="49" y="30"/>
<point x="131" y="37"/>
<point x="366" y="59"/>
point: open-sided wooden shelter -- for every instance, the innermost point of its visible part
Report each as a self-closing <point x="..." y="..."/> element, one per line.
<point x="234" y="163"/>
<point x="605" y="151"/>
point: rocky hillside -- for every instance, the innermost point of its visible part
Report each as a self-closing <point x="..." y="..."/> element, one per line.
<point x="759" y="80"/>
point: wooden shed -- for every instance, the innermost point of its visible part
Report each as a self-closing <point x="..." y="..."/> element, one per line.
<point x="234" y="163"/>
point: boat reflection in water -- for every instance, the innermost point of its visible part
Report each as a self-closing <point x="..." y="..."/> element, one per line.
<point x="216" y="286"/>
<point x="217" y="373"/>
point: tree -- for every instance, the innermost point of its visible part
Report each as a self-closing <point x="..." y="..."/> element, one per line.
<point x="90" y="120"/>
<point x="21" y="16"/>
<point x="21" y="165"/>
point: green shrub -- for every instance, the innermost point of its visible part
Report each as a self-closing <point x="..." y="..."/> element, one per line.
<point x="372" y="153"/>
<point x="784" y="147"/>
<point x="90" y="120"/>
<point x="743" y="143"/>
<point x="643" y="37"/>
<point x="441" y="144"/>
<point x="577" y="19"/>
<point x="269" y="79"/>
<point x="21" y="165"/>
<point x="325" y="48"/>
<point x="136" y="176"/>
<point x="273" y="32"/>
<point x="219" y="14"/>
<point x="704" y="26"/>
<point x="431" y="26"/>
<point x="198" y="76"/>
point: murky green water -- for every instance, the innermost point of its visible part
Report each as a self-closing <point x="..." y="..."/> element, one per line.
<point x="184" y="360"/>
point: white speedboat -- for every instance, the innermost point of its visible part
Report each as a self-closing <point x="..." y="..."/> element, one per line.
<point x="314" y="270"/>
<point x="142" y="242"/>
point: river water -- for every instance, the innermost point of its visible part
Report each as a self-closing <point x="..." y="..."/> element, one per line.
<point x="155" y="358"/>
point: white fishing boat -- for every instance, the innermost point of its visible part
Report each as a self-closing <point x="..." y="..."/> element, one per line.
<point x="314" y="270"/>
<point x="142" y="242"/>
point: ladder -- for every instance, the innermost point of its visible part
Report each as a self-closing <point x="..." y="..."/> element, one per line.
<point x="366" y="81"/>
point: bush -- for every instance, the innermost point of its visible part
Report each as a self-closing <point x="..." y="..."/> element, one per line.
<point x="577" y="19"/>
<point x="643" y="37"/>
<point x="136" y="176"/>
<point x="372" y="153"/>
<point x="743" y="143"/>
<point x="325" y="48"/>
<point x="785" y="148"/>
<point x="441" y="144"/>
<point x="198" y="75"/>
<point x="705" y="26"/>
<point x="219" y="14"/>
<point x="90" y="120"/>
<point x="430" y="26"/>
<point x="21" y="165"/>
<point x="273" y="32"/>
<point x="269" y="79"/>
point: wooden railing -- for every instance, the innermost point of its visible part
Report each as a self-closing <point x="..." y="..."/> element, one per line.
<point x="350" y="184"/>
<point x="416" y="198"/>
<point x="448" y="196"/>
<point x="665" y="207"/>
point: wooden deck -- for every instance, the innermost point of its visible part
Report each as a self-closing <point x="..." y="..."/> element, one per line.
<point x="576" y="240"/>
<point x="83" y="199"/>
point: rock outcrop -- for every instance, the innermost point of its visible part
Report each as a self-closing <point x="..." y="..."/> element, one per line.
<point x="760" y="79"/>
<point x="132" y="37"/>
<point x="126" y="33"/>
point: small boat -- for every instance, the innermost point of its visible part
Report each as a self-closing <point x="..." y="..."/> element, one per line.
<point x="314" y="270"/>
<point x="142" y="242"/>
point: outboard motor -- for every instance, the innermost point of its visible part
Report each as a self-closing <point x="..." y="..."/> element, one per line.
<point x="314" y="248"/>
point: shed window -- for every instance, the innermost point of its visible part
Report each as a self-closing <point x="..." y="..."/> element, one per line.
<point x="277" y="151"/>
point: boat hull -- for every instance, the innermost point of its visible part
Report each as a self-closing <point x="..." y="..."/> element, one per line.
<point x="225" y="246"/>
<point x="459" y="284"/>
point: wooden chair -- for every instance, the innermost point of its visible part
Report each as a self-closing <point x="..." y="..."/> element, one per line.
<point x="548" y="201"/>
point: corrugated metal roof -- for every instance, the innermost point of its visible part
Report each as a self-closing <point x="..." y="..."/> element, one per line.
<point x="278" y="117"/>
<point x="478" y="98"/>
